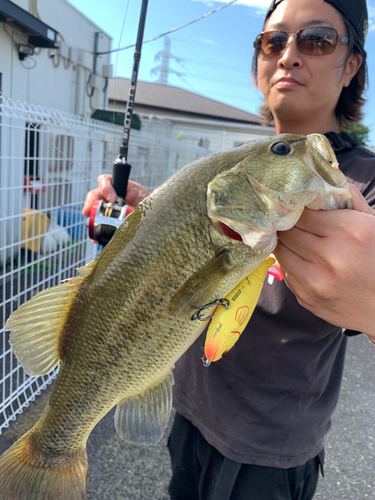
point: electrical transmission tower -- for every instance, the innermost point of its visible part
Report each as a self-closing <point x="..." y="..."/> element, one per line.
<point x="165" y="56"/>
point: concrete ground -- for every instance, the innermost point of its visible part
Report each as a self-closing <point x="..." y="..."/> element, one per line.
<point x="122" y="472"/>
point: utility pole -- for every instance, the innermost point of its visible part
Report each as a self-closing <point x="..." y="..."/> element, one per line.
<point x="165" y="56"/>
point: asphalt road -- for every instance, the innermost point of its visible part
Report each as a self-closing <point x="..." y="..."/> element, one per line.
<point x="122" y="472"/>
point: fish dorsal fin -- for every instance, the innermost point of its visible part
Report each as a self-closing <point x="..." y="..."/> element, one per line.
<point x="35" y="327"/>
<point x="143" y="419"/>
<point x="200" y="288"/>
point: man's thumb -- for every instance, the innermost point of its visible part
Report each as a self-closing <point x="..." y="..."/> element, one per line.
<point x="359" y="203"/>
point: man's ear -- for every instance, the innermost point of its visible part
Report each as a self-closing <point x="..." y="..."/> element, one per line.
<point x="352" y="66"/>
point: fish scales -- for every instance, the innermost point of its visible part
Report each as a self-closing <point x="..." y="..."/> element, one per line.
<point x="121" y="325"/>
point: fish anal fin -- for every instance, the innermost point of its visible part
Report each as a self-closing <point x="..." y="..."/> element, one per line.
<point x="200" y="288"/>
<point x="143" y="419"/>
<point x="36" y="325"/>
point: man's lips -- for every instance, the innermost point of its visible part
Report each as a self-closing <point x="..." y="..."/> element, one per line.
<point x="287" y="83"/>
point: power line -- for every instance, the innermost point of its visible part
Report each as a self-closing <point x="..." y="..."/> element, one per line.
<point x="227" y="48"/>
<point x="172" y="30"/>
<point x="226" y="82"/>
<point x="221" y="66"/>
<point x="222" y="95"/>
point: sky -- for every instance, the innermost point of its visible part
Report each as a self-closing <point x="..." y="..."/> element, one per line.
<point x="213" y="55"/>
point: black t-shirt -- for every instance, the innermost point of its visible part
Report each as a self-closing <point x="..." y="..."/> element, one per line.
<point x="269" y="401"/>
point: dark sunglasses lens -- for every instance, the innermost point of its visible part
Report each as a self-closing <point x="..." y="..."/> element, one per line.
<point x="317" y="41"/>
<point x="272" y="43"/>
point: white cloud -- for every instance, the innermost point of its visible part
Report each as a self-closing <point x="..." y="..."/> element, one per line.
<point x="207" y="41"/>
<point x="371" y="18"/>
<point x="259" y="4"/>
<point x="262" y="5"/>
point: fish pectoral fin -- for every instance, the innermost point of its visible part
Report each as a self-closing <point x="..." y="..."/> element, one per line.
<point x="200" y="288"/>
<point x="143" y="419"/>
<point x="35" y="328"/>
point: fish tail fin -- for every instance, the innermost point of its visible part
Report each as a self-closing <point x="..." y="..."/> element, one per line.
<point x="27" y="475"/>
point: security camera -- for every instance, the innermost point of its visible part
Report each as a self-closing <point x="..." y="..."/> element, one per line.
<point x="52" y="53"/>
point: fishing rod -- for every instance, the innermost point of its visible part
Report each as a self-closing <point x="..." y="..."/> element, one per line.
<point x="105" y="218"/>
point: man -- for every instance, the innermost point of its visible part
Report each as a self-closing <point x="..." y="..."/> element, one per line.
<point x="251" y="426"/>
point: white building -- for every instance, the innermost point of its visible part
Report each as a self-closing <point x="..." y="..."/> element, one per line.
<point x="193" y="119"/>
<point x="47" y="56"/>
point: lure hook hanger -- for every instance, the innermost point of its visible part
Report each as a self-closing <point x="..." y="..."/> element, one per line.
<point x="217" y="302"/>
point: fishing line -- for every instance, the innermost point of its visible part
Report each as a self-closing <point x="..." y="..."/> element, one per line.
<point x="46" y="138"/>
<point x="172" y="30"/>
<point x="116" y="64"/>
<point x="53" y="145"/>
<point x="108" y="52"/>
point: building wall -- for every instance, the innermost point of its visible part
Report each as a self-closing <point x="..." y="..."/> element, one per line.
<point x="216" y="135"/>
<point x="55" y="81"/>
<point x="216" y="139"/>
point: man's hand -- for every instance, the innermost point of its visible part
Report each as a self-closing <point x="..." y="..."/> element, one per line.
<point x="328" y="262"/>
<point x="134" y="194"/>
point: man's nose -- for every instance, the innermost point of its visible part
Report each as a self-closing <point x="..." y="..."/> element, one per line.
<point x="290" y="56"/>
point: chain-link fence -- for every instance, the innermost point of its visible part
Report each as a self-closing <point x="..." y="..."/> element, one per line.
<point x="49" y="160"/>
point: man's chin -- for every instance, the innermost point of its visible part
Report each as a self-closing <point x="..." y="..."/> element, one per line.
<point x="287" y="109"/>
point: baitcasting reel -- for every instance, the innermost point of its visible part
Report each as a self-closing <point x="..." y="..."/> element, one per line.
<point x="104" y="219"/>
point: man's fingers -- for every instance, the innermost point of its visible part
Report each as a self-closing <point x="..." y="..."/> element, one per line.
<point x="104" y="192"/>
<point x="106" y="189"/>
<point x="132" y="197"/>
<point x="323" y="223"/>
<point x="302" y="243"/>
<point x="93" y="195"/>
<point x="359" y="202"/>
<point x="135" y="193"/>
<point x="290" y="261"/>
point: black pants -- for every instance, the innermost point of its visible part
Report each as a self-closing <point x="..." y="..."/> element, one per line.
<point x="200" y="472"/>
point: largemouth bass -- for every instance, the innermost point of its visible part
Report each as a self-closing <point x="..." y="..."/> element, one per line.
<point x="119" y="327"/>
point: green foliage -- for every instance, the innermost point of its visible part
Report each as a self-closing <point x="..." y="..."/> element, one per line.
<point x="359" y="132"/>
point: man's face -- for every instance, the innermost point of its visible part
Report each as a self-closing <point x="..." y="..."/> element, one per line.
<point x="298" y="87"/>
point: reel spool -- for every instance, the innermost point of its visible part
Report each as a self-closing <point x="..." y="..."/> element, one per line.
<point x="104" y="220"/>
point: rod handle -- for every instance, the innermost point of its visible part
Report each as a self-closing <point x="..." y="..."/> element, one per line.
<point x="120" y="177"/>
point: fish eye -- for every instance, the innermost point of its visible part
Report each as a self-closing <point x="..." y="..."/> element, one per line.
<point x="280" y="148"/>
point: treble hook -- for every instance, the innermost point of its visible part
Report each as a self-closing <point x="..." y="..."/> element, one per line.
<point x="217" y="302"/>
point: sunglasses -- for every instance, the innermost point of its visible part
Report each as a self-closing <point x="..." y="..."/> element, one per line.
<point x="318" y="41"/>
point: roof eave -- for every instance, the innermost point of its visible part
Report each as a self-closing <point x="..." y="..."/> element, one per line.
<point x="184" y="112"/>
<point x="40" y="34"/>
